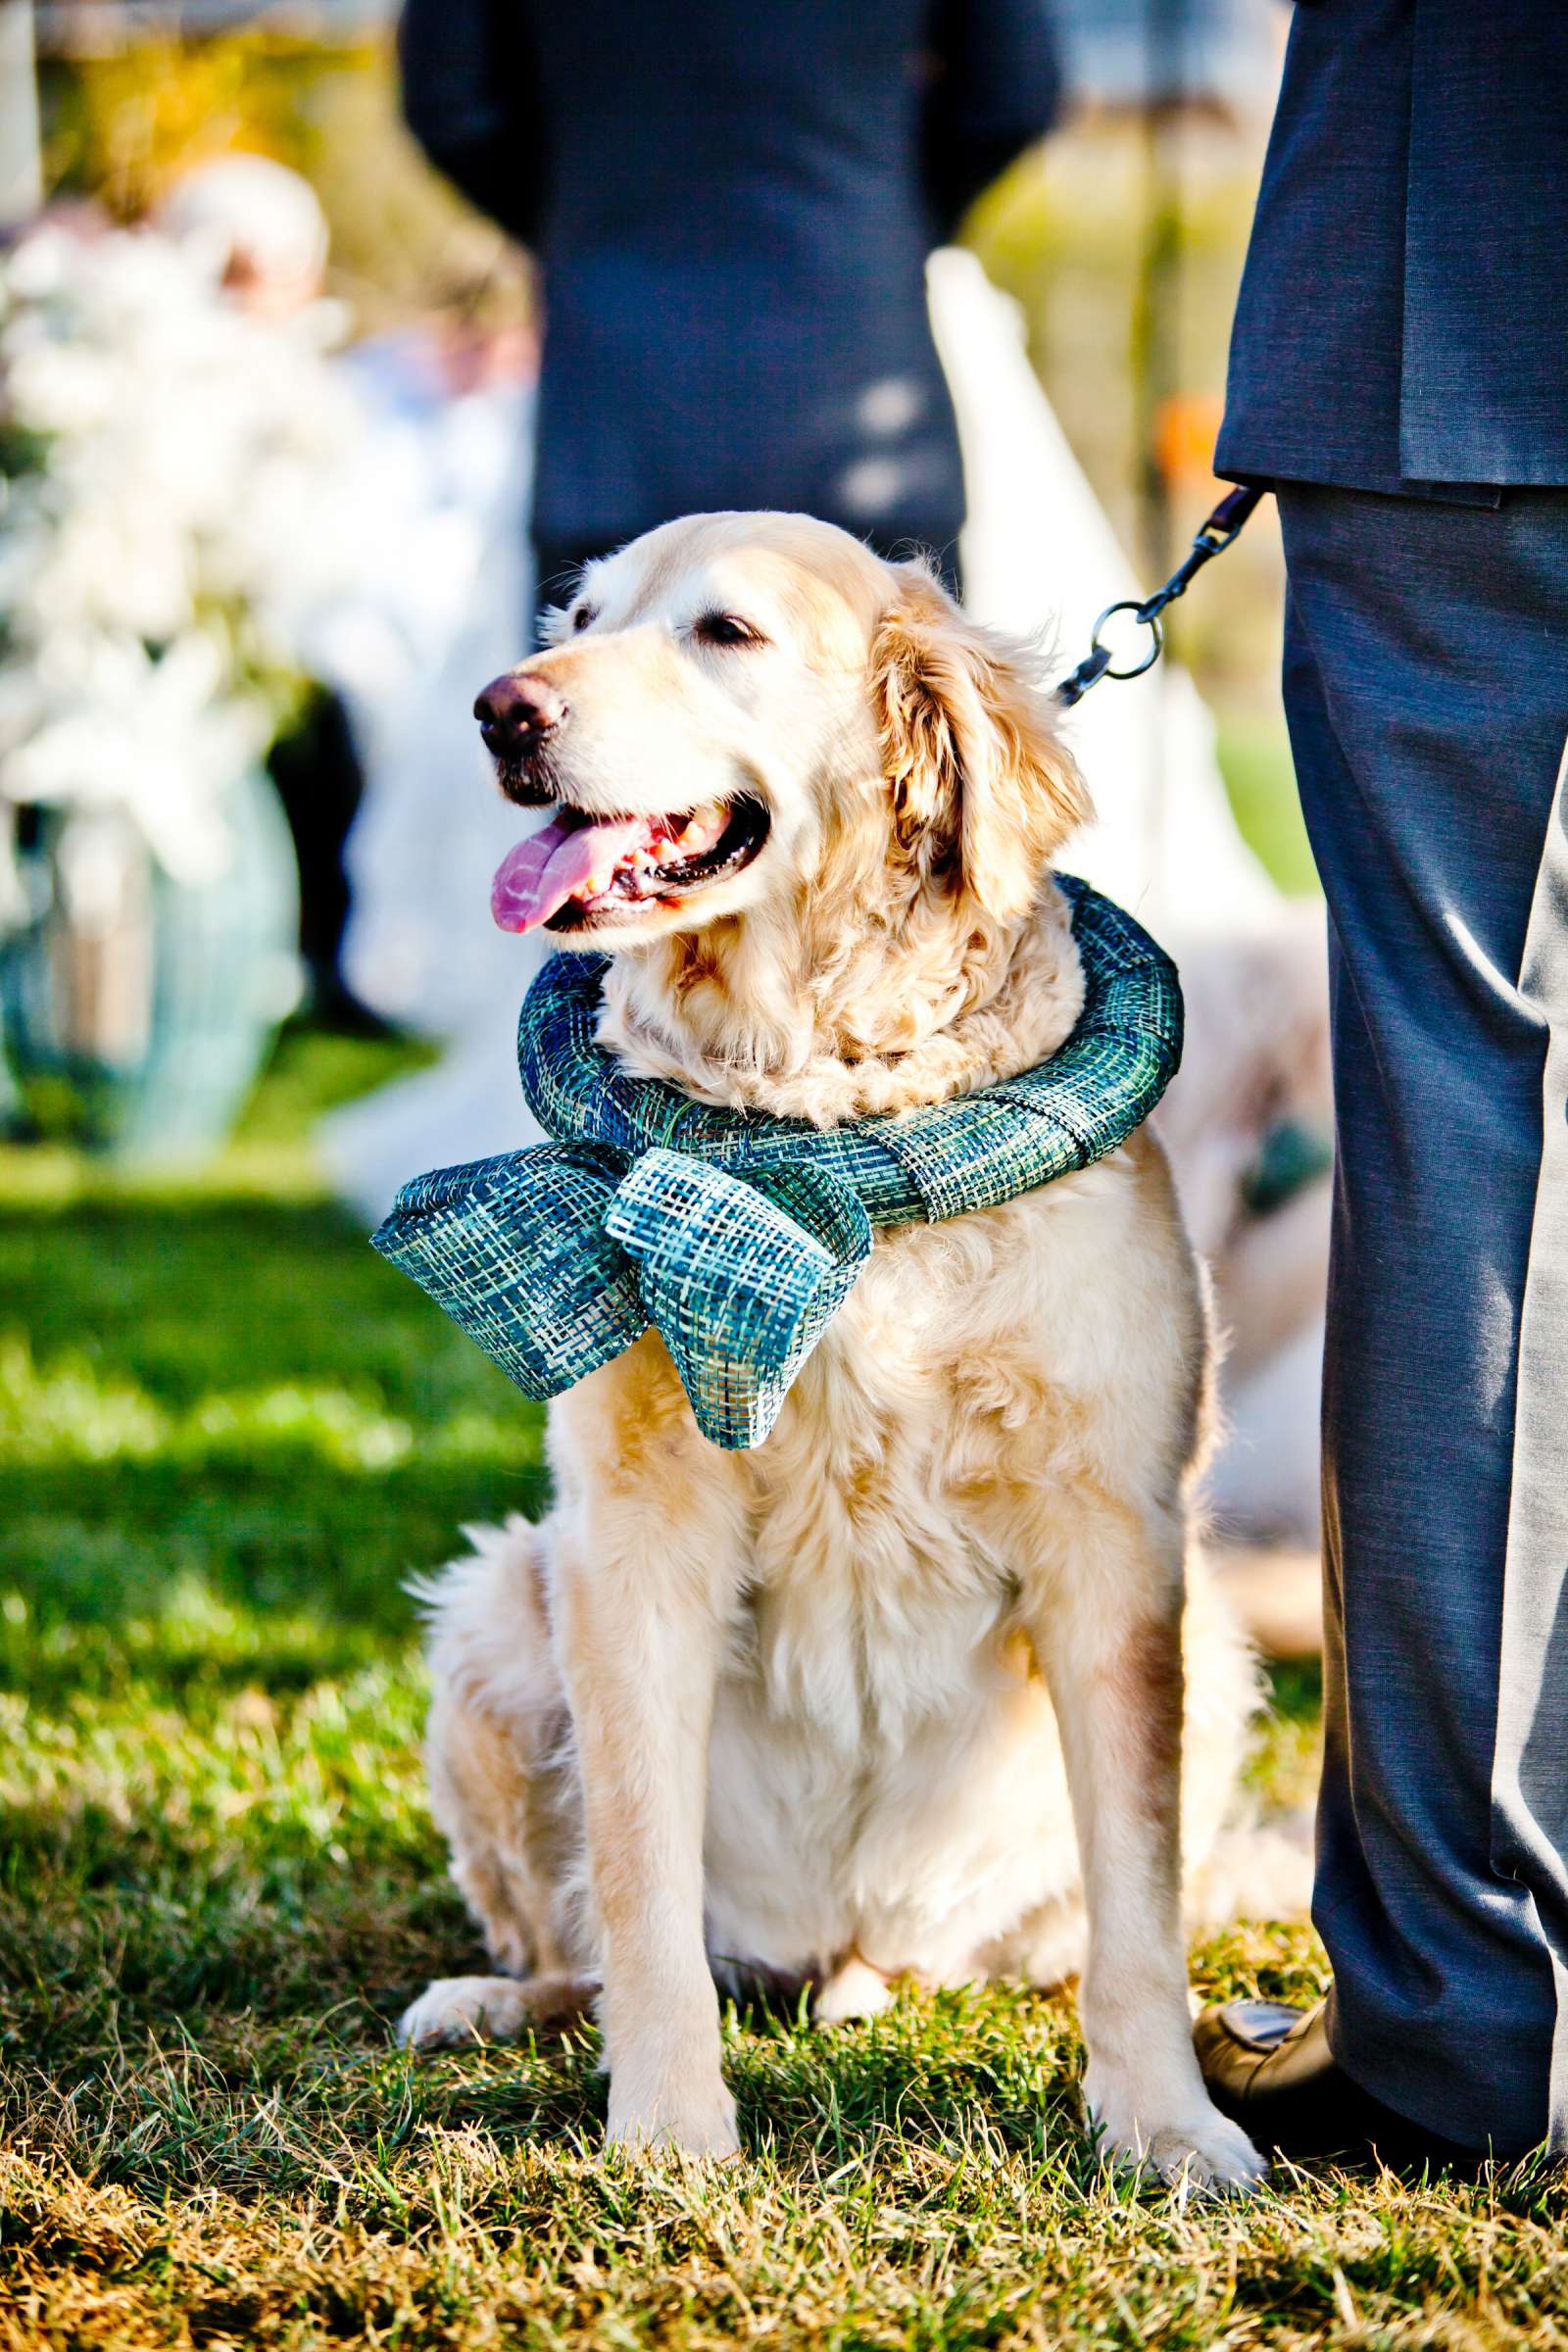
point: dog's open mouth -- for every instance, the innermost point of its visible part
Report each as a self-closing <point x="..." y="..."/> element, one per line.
<point x="582" y="869"/>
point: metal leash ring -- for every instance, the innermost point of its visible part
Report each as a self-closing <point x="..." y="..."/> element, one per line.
<point x="1213" y="538"/>
<point x="1149" y="620"/>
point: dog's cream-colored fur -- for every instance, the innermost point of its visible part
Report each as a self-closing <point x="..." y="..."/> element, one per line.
<point x="901" y="1691"/>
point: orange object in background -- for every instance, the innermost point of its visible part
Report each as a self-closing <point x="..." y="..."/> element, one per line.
<point x="1186" y="427"/>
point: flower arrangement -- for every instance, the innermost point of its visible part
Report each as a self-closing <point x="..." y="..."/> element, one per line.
<point x="166" y="478"/>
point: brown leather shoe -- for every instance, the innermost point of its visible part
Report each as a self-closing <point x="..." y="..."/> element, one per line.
<point x="1270" y="2069"/>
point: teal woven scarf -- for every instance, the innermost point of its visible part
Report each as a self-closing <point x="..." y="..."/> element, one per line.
<point x="736" y="1236"/>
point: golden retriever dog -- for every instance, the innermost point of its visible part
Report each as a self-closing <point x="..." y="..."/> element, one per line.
<point x="900" y="1691"/>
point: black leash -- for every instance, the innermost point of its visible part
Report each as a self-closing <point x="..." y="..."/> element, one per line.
<point x="1213" y="539"/>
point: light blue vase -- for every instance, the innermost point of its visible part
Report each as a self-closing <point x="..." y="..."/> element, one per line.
<point x="136" y="1011"/>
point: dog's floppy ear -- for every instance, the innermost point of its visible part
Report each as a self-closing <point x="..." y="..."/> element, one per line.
<point x="969" y="744"/>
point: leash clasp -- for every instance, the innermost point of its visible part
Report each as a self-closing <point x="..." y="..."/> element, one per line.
<point x="1212" y="538"/>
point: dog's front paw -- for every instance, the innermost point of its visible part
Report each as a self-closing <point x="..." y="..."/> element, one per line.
<point x="1208" y="2155"/>
<point x="693" y="2121"/>
<point x="1200" y="2151"/>
<point x="456" y="2012"/>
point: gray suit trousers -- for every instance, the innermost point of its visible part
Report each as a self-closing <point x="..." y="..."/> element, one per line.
<point x="1426" y="677"/>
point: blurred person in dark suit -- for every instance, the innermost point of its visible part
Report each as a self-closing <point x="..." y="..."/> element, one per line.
<point x="732" y="210"/>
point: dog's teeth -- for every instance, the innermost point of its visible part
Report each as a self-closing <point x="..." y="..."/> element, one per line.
<point x="701" y="828"/>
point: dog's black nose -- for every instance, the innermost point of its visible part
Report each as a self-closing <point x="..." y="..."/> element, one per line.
<point x="515" y="714"/>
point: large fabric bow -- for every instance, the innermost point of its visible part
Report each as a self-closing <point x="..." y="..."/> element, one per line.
<point x="738" y="1237"/>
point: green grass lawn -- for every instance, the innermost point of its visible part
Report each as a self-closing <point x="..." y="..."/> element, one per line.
<point x="229" y="1433"/>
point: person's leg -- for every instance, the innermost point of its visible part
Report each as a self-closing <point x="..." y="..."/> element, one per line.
<point x="1426" y="691"/>
<point x="316" y="769"/>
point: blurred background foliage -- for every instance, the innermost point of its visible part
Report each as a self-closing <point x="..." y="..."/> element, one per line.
<point x="120" y="128"/>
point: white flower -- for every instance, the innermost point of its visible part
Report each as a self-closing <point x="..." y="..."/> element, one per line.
<point x="159" y="739"/>
<point x="193" y="487"/>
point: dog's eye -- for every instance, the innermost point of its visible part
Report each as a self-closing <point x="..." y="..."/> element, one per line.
<point x="724" y="628"/>
<point x="583" y="619"/>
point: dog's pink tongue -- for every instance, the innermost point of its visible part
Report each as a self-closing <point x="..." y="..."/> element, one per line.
<point x="559" y="863"/>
